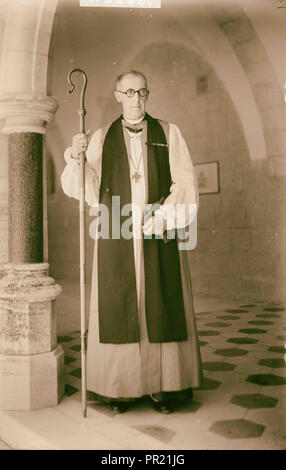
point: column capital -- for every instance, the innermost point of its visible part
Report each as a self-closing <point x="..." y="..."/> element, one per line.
<point x="26" y="112"/>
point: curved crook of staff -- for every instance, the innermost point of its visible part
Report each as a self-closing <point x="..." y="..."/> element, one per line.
<point x="82" y="113"/>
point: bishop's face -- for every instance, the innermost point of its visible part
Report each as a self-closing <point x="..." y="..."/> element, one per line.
<point x="134" y="107"/>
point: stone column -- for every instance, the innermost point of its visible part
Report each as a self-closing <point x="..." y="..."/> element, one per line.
<point x="25" y="196"/>
<point x="31" y="363"/>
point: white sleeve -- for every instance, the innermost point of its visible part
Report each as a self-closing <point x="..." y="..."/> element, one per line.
<point x="70" y="175"/>
<point x="180" y="207"/>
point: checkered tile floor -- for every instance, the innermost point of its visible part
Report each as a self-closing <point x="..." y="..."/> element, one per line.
<point x="242" y="403"/>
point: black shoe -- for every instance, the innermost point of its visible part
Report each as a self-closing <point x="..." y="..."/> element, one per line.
<point x="118" y="406"/>
<point x="161" y="406"/>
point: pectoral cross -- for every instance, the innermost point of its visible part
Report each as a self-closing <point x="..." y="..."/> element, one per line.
<point x="136" y="176"/>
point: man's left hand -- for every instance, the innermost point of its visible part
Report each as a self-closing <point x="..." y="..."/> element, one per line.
<point x="155" y="225"/>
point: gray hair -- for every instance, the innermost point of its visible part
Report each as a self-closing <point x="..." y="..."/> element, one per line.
<point x="130" y="72"/>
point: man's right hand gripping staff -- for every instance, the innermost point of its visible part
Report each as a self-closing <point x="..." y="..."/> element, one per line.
<point x="79" y="144"/>
<point x="70" y="177"/>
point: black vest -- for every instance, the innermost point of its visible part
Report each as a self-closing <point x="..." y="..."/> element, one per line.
<point x="117" y="296"/>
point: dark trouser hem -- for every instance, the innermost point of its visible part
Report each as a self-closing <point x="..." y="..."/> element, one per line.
<point x="179" y="396"/>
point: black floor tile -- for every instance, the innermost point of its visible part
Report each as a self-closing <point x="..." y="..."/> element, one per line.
<point x="76" y="347"/>
<point x="268" y="315"/>
<point x="274" y="363"/>
<point x="76" y="373"/>
<point x="266" y="379"/>
<point x="237" y="429"/>
<point x="248" y="306"/>
<point x="254" y="400"/>
<point x="252" y="331"/>
<point x="277" y="349"/>
<point x="243" y="340"/>
<point x="274" y="309"/>
<point x="70" y="390"/>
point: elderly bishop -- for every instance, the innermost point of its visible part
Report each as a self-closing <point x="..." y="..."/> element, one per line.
<point x="142" y="338"/>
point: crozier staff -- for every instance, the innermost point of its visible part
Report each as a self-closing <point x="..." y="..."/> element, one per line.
<point x="142" y="337"/>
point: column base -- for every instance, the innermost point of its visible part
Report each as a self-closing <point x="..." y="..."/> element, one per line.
<point x="31" y="382"/>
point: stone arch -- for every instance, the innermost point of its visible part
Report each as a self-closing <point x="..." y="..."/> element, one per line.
<point x="234" y="22"/>
<point x="216" y="49"/>
<point x="26" y="31"/>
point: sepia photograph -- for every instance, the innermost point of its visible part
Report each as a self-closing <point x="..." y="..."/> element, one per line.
<point x="143" y="227"/>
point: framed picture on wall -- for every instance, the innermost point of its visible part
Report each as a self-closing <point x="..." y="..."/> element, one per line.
<point x="208" y="177"/>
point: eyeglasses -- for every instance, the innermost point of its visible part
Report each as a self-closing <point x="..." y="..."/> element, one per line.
<point x="130" y="92"/>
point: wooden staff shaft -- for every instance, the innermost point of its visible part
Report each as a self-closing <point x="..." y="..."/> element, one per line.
<point x="82" y="113"/>
<point x="82" y="280"/>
